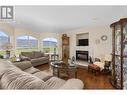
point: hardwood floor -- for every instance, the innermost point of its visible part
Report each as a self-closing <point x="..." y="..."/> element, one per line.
<point x="91" y="81"/>
<point x="100" y="81"/>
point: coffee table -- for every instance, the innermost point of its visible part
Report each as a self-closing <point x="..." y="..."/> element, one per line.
<point x="61" y="69"/>
<point x="72" y="71"/>
<point x="55" y="65"/>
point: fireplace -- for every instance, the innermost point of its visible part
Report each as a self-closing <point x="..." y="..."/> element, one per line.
<point x="81" y="55"/>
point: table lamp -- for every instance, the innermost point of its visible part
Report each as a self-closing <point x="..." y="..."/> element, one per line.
<point x="7" y="47"/>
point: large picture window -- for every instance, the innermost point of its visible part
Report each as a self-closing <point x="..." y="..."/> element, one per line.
<point x="49" y="44"/>
<point x="4" y="38"/>
<point x="26" y="43"/>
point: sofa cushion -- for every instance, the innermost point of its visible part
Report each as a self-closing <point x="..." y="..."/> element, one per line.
<point x="35" y="60"/>
<point x="24" y="58"/>
<point x="38" y="54"/>
<point x="43" y="58"/>
<point x="42" y="54"/>
<point x="31" y="70"/>
<point x="28" y="54"/>
<point x="55" y="83"/>
<point x="14" y="78"/>
<point x="40" y="59"/>
<point x="73" y="84"/>
<point x="23" y="65"/>
<point x="42" y="75"/>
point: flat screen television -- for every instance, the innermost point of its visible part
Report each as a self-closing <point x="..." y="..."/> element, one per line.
<point x="83" y="42"/>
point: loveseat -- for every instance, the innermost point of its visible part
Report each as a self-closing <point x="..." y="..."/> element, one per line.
<point x="25" y="76"/>
<point x="36" y="57"/>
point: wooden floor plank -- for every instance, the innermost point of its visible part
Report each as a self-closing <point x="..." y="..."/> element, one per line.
<point x="100" y="81"/>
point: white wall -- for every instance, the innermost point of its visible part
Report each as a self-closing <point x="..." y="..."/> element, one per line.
<point x="95" y="50"/>
<point x="95" y="33"/>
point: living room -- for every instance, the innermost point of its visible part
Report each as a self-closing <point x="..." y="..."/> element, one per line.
<point x="63" y="34"/>
<point x="16" y="30"/>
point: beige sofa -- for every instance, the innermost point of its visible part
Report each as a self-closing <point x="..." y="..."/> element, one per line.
<point x="25" y="76"/>
<point x="36" y="57"/>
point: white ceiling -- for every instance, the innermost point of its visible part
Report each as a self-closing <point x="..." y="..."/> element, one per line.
<point x="65" y="18"/>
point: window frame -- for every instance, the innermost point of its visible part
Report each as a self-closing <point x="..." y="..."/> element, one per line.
<point x="28" y="46"/>
<point x="2" y="52"/>
<point x="50" y="51"/>
<point x="8" y="38"/>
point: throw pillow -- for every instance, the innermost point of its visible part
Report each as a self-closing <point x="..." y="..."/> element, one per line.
<point x="24" y="58"/>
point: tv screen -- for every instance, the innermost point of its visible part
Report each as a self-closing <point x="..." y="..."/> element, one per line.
<point x="83" y="42"/>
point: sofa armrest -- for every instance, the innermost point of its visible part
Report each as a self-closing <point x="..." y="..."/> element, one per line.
<point x="23" y="65"/>
<point x="73" y="84"/>
<point x="46" y="55"/>
<point x="24" y="58"/>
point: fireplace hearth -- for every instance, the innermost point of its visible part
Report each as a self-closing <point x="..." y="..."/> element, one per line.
<point x="82" y="55"/>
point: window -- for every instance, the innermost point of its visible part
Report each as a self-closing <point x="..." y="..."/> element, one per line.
<point x="26" y="43"/>
<point x="4" y="38"/>
<point x="49" y="45"/>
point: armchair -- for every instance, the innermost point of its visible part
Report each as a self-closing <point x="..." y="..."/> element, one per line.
<point x="106" y="69"/>
<point x="104" y="63"/>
